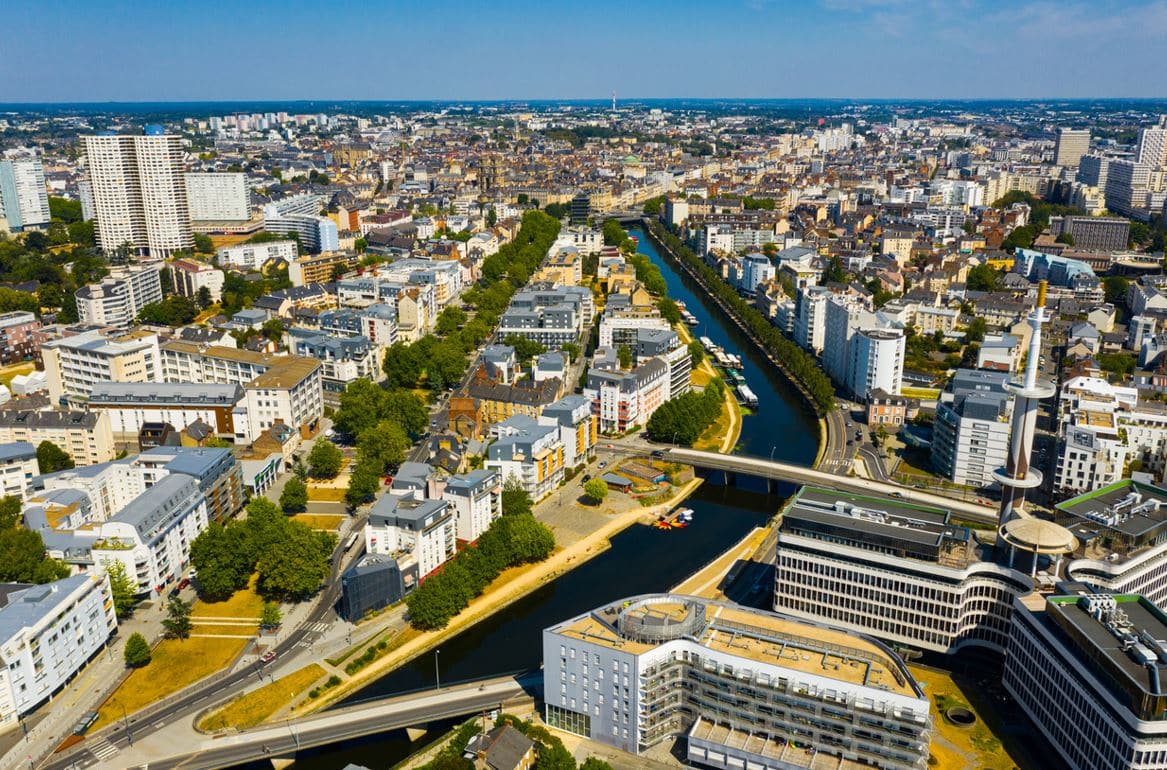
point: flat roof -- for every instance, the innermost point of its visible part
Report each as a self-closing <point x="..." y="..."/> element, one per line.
<point x="876" y="515"/>
<point x="1128" y="507"/>
<point x="286" y="373"/>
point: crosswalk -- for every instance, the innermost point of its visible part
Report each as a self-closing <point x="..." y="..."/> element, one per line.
<point x="103" y="750"/>
<point x="318" y="628"/>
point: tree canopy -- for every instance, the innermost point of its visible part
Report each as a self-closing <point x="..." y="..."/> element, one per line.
<point x="325" y="460"/>
<point x="683" y="419"/>
<point x="50" y="458"/>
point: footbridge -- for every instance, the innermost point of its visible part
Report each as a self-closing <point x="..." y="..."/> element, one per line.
<point x="779" y="471"/>
<point x="279" y="742"/>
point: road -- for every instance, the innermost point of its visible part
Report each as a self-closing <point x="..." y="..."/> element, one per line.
<point x="284" y="739"/>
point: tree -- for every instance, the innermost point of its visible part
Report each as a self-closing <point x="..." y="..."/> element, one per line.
<point x="360" y="245"/>
<point x="224" y="559"/>
<point x="624" y="354"/>
<point x="614" y="234"/>
<point x="137" y="651"/>
<point x="271" y="616"/>
<point x="669" y="310"/>
<point x="382" y="445"/>
<point x="515" y="500"/>
<point x="177" y="622"/>
<point x="696" y="353"/>
<point x="324" y="461"/>
<point x="835" y="272"/>
<point x="596" y="489"/>
<point x="450" y="320"/>
<point x="123" y="590"/>
<point x="571" y="349"/>
<point x="294" y="497"/>
<point x="1020" y="237"/>
<point x="23" y="558"/>
<point x="203" y="244"/>
<point x="363" y="483"/>
<point x="296" y="565"/>
<point x="525" y="347"/>
<point x="491" y="217"/>
<point x="1116" y="288"/>
<point x="10" y="512"/>
<point x="50" y="458"/>
<point x="983" y="278"/>
<point x="1066" y="238"/>
<point x="976" y="330"/>
<point x="204" y="298"/>
<point x="175" y="310"/>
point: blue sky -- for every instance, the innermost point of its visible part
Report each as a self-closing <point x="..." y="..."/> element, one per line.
<point x="174" y="50"/>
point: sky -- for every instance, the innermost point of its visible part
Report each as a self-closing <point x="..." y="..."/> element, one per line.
<point x="187" y="50"/>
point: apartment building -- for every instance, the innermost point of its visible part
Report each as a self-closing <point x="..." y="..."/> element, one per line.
<point x="321" y="268"/>
<point x="377" y="323"/>
<point x="552" y="316"/>
<point x="18" y="466"/>
<point x="342" y="359"/>
<point x="24" y="199"/>
<point x="622" y="400"/>
<point x="253" y="256"/>
<point x="578" y="427"/>
<point x="151" y="535"/>
<point x="20" y="337"/>
<point x="475" y="499"/>
<point x="47" y="634"/>
<point x="636" y="672"/>
<point x="529" y="452"/>
<point x="73" y="365"/>
<point x="419" y="533"/>
<point x="86" y="436"/>
<point x="139" y="192"/>
<point x="218" y="196"/>
<point x="1085" y="669"/>
<point x="861" y="351"/>
<point x="191" y="275"/>
<point x="810" y="323"/>
<point x="1093" y="233"/>
<point x="905" y="574"/>
<point x="1070" y="145"/>
<point x="619" y="325"/>
<point x="300" y="215"/>
<point x="970" y="436"/>
<point x="117" y="299"/>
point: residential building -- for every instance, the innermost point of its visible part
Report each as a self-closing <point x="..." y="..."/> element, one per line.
<point x="139" y="192"/>
<point x="216" y="470"/>
<point x="419" y="534"/>
<point x="190" y="276"/>
<point x="342" y="359"/>
<point x="552" y="316"/>
<point x="20" y="337"/>
<point x="47" y="634"/>
<point x="117" y="298"/>
<point x="321" y="268"/>
<point x="476" y="501"/>
<point x="18" y="466"/>
<point x="300" y="215"/>
<point x="498" y="401"/>
<point x="85" y="436"/>
<point x="218" y="197"/>
<point x="373" y="583"/>
<point x="1093" y="233"/>
<point x="73" y="365"/>
<point x="810" y="323"/>
<point x="636" y="672"/>
<point x="970" y="436"/>
<point x="377" y="323"/>
<point x="578" y="428"/>
<point x="24" y="199"/>
<point x="151" y="536"/>
<point x="622" y="400"/>
<point x="885" y="408"/>
<point x="906" y="574"/>
<point x="877" y="362"/>
<point x="1084" y="667"/>
<point x="1070" y="145"/>
<point x="528" y="452"/>
<point x="253" y="256"/>
<point x="754" y="270"/>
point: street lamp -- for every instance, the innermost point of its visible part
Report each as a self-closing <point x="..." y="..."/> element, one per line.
<point x="437" y="673"/>
<point x="126" y="722"/>
<point x="772" y="452"/>
<point x="292" y="730"/>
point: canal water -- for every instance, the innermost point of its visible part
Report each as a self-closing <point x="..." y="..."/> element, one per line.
<point x="641" y="559"/>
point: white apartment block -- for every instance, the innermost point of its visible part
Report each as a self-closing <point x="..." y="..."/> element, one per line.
<point x="191" y="275"/>
<point x="253" y="256"/>
<point x="117" y="299"/>
<point x="970" y="437"/>
<point x="218" y="197"/>
<point x="876" y="361"/>
<point x="290" y="392"/>
<point x="86" y="436"/>
<point x="73" y="365"/>
<point x="151" y="535"/>
<point x="743" y="687"/>
<point x="47" y="633"/>
<point x="419" y="533"/>
<point x="18" y="466"/>
<point x="24" y="199"/>
<point x="618" y="326"/>
<point x="528" y="452"/>
<point x="139" y="194"/>
<point x="475" y="499"/>
<point x="810" y="323"/>
<point x="131" y="404"/>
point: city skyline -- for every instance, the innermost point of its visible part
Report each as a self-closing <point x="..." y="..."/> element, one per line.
<point x="750" y="49"/>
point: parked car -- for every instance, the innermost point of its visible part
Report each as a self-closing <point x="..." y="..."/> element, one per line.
<point x="268" y="656"/>
<point x="183" y="583"/>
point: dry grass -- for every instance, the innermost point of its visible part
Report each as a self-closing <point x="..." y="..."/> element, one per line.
<point x="175" y="664"/>
<point x="7" y="373"/>
<point x="245" y="604"/>
<point x="258" y="705"/>
<point x="975" y="748"/>
<point x="325" y="494"/>
<point x="328" y="521"/>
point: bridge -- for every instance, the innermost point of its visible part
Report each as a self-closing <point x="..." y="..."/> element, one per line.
<point x="779" y="471"/>
<point x="279" y="742"/>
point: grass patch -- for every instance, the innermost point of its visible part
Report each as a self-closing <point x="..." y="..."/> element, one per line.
<point x="328" y="521"/>
<point x="325" y="494"/>
<point x="976" y="746"/>
<point x="256" y="706"/>
<point x="924" y="394"/>
<point x="8" y="373"/>
<point x="176" y="663"/>
<point x="245" y="604"/>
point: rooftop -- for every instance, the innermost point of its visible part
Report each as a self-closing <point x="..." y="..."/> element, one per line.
<point x="22" y="606"/>
<point x="164" y="393"/>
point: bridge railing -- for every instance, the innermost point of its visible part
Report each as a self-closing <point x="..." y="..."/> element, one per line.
<point x="518" y="675"/>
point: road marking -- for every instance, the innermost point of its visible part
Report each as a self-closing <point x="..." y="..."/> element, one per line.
<point x="103" y="750"/>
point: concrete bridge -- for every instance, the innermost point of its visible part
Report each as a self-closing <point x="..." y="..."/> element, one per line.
<point x="279" y="742"/>
<point x="779" y="471"/>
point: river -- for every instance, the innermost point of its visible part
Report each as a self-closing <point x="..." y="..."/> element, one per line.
<point x="641" y="559"/>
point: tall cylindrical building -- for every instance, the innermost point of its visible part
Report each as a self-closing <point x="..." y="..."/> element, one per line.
<point x="1017" y="476"/>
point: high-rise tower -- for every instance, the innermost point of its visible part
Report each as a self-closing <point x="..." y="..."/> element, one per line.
<point x="1017" y="476"/>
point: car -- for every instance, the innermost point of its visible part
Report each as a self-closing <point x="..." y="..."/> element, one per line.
<point x="603" y="464"/>
<point x="850" y="442"/>
<point x="183" y="583"/>
<point x="194" y="573"/>
<point x="587" y="477"/>
<point x="268" y="656"/>
<point x="329" y="433"/>
<point x="897" y="494"/>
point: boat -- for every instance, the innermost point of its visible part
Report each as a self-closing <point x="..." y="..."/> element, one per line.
<point x="735" y="377"/>
<point x="685" y="514"/>
<point x="707" y="343"/>
<point x="661" y="524"/>
<point x="746" y="396"/>
<point x="678" y="524"/>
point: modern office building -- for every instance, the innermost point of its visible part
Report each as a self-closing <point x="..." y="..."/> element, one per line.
<point x="24" y="199"/>
<point x="190" y="276"/>
<point x="118" y="298"/>
<point x="1086" y="668"/>
<point x="580" y="208"/>
<point x="139" y="192"/>
<point x="746" y="688"/>
<point x="73" y="365"/>
<point x="218" y="197"/>
<point x="1093" y="233"/>
<point x="1070" y="145"/>
<point x="970" y="436"/>
<point x="905" y="574"/>
<point x="373" y="583"/>
<point x="253" y="256"/>
<point x="47" y="633"/>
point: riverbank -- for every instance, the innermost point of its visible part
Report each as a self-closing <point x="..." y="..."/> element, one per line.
<point x="710" y="441"/>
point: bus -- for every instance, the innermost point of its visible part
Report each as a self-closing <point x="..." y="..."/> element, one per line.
<point x="352" y="540"/>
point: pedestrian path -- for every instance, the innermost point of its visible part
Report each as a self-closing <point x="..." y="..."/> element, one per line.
<point x="103" y="750"/>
